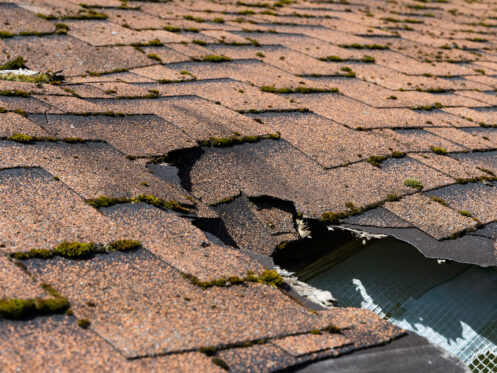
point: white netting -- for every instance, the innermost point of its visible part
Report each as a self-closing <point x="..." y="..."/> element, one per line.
<point x="452" y="305"/>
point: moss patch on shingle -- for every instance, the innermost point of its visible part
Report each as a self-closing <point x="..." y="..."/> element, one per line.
<point x="216" y="58"/>
<point x="105" y="201"/>
<point x="16" y="308"/>
<point x="302" y="90"/>
<point x="413" y="183"/>
<point x="268" y="277"/>
<point x="222" y="142"/>
<point x="16" y="63"/>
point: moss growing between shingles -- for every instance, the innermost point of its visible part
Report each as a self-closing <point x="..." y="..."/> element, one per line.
<point x="435" y="106"/>
<point x="124" y="245"/>
<point x="21" y="138"/>
<point x="90" y="14"/>
<point x="413" y="183"/>
<point x="172" y="28"/>
<point x="376" y="160"/>
<point x="84" y="323"/>
<point x="439" y="200"/>
<point x="75" y="250"/>
<point x="224" y="200"/>
<point x="115" y="71"/>
<point x="199" y="42"/>
<point x="34" y="254"/>
<point x="348" y="72"/>
<point x="439" y="150"/>
<point x="332" y="59"/>
<point x="368" y="59"/>
<point x="145" y="198"/>
<point x="216" y="58"/>
<point x="35" y="78"/>
<point x="268" y="277"/>
<point x="5" y="34"/>
<point x="465" y="213"/>
<point x="17" y="63"/>
<point x="221" y="142"/>
<point x="192" y="18"/>
<point x="15" y="308"/>
<point x="364" y="46"/>
<point x="303" y="90"/>
<point x="14" y="93"/>
<point x="393" y="197"/>
<point x="220" y="363"/>
<point x="154" y="57"/>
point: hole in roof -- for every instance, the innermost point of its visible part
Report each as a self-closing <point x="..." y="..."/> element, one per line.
<point x="451" y="304"/>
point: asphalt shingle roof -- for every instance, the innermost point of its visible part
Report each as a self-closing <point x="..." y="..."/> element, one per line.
<point x="372" y="115"/>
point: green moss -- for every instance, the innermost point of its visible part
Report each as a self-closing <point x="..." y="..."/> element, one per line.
<point x="316" y="331"/>
<point x="435" y="106"/>
<point x="115" y="71"/>
<point x="14" y="93"/>
<point x="397" y="154"/>
<point x="36" y="78"/>
<point x="221" y="142"/>
<point x="413" y="183"/>
<point x="145" y="198"/>
<point x="271" y="277"/>
<point x="75" y="250"/>
<point x="172" y="28"/>
<point x="439" y="150"/>
<point x="393" y="197"/>
<point x="22" y="138"/>
<point x="332" y="217"/>
<point x="364" y="46"/>
<point x="332" y="59"/>
<point x="84" y="323"/>
<point x="376" y="160"/>
<point x="224" y="200"/>
<point x="61" y="28"/>
<point x="368" y="59"/>
<point x="220" y="363"/>
<point x="465" y="213"/>
<point x="439" y="200"/>
<point x="348" y="72"/>
<point x="34" y="253"/>
<point x="51" y="305"/>
<point x="15" y="64"/>
<point x="216" y="58"/>
<point x="91" y="14"/>
<point x="199" y="42"/>
<point x="154" y="57"/>
<point x="5" y="34"/>
<point x="195" y="19"/>
<point x="268" y="277"/>
<point x="124" y="245"/>
<point x="105" y="201"/>
<point x="15" y="308"/>
<point x="302" y="90"/>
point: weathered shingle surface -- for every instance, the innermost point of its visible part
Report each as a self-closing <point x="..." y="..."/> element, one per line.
<point x="378" y="116"/>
